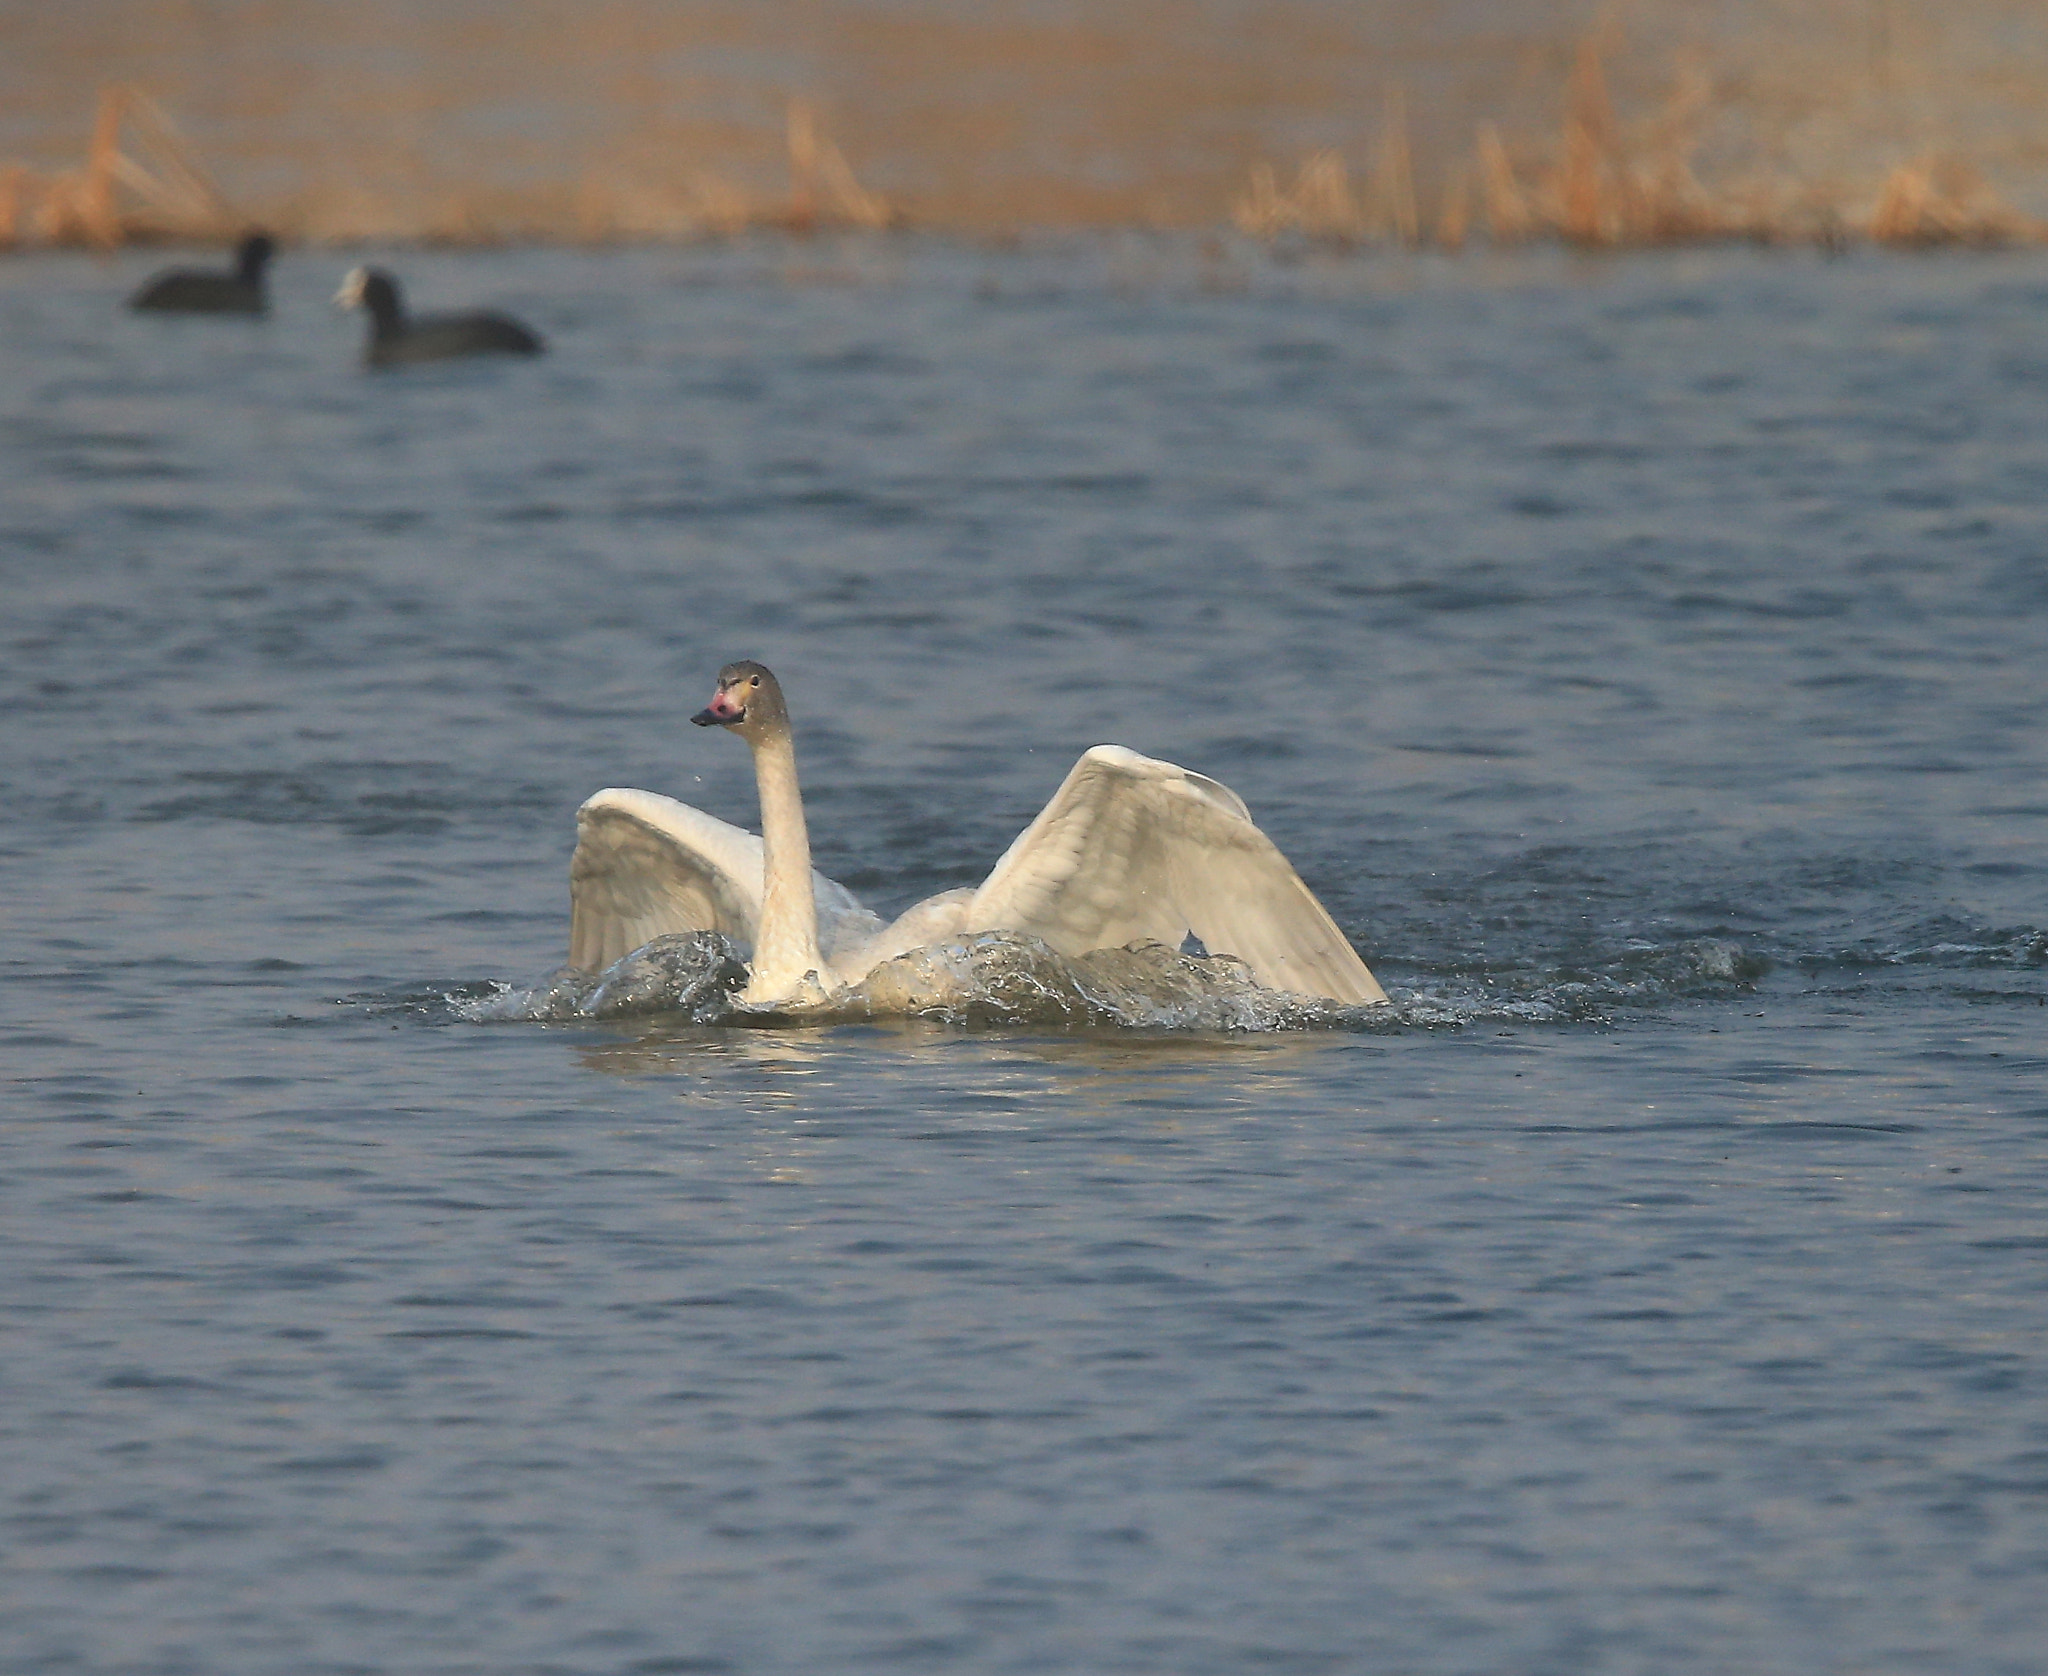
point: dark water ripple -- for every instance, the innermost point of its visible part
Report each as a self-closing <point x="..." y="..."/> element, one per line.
<point x="1641" y="659"/>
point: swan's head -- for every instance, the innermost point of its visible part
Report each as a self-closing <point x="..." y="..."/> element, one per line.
<point x="748" y="698"/>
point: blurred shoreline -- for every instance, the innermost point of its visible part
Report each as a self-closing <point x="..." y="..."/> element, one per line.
<point x="1380" y="123"/>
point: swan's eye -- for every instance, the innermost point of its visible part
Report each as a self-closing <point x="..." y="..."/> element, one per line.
<point x="753" y="680"/>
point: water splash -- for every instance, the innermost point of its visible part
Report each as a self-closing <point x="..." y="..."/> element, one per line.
<point x="697" y="974"/>
<point x="993" y="979"/>
<point x="1007" y="979"/>
<point x="1004" y="979"/>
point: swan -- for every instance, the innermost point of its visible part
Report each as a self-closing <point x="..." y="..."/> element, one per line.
<point x="1129" y="848"/>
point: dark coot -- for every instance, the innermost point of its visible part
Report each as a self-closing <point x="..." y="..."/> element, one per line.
<point x="207" y="291"/>
<point x="431" y="337"/>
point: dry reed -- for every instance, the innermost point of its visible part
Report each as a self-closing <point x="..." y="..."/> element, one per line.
<point x="141" y="181"/>
<point x="822" y="187"/>
<point x="1393" y="176"/>
<point x="824" y="194"/>
<point x="1609" y="185"/>
<point x="1938" y="201"/>
<point x="1318" y="206"/>
<point x="1599" y="180"/>
<point x="1509" y="219"/>
<point x="1454" y="218"/>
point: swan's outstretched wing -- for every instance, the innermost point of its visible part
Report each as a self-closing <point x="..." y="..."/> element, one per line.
<point x="1130" y="847"/>
<point x="646" y="865"/>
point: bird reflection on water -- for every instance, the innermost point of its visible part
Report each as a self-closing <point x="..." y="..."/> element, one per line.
<point x="1109" y="1058"/>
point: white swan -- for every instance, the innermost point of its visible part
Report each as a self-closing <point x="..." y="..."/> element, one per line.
<point x="1129" y="848"/>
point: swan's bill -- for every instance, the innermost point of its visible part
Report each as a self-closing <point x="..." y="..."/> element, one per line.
<point x="738" y="685"/>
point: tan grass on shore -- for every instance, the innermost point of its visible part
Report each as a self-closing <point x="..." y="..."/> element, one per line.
<point x="141" y="181"/>
<point x="1602" y="182"/>
<point x="1605" y="185"/>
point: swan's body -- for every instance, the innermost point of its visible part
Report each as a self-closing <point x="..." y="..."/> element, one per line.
<point x="1129" y="849"/>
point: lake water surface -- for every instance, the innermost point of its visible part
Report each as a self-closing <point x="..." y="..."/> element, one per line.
<point x="1643" y="660"/>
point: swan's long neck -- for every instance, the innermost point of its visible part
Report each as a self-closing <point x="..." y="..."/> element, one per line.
<point x="786" y="940"/>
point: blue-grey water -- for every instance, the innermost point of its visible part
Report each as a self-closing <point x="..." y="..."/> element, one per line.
<point x="1643" y="659"/>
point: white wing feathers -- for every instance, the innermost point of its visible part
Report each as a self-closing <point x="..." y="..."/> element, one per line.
<point x="1131" y="847"/>
<point x="646" y="865"/>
